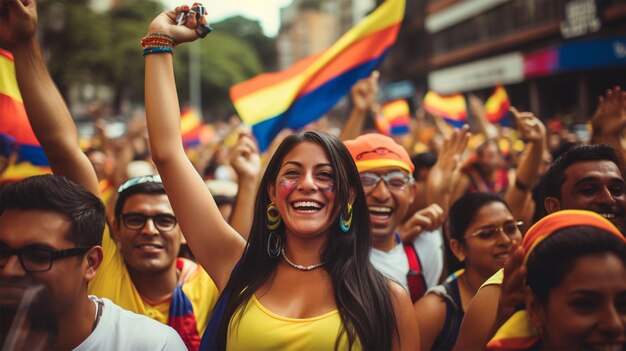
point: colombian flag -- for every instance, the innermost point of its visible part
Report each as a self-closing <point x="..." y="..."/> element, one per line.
<point x="452" y="108"/>
<point x="497" y="105"/>
<point x="396" y="118"/>
<point x="16" y="135"/>
<point x="190" y="127"/>
<point x="303" y="92"/>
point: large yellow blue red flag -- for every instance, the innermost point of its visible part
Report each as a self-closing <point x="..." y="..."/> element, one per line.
<point x="16" y="134"/>
<point x="451" y="108"/>
<point x="497" y="105"/>
<point x="305" y="91"/>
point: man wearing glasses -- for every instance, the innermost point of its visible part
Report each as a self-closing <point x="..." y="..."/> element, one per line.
<point x="50" y="236"/>
<point x="386" y="176"/>
<point x="141" y="269"/>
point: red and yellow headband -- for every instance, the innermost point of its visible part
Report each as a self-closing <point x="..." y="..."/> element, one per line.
<point x="564" y="219"/>
<point x="370" y="151"/>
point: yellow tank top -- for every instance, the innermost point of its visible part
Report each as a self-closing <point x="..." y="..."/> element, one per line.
<point x="261" y="329"/>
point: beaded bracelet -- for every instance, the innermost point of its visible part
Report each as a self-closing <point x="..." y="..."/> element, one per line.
<point x="157" y="43"/>
<point x="157" y="50"/>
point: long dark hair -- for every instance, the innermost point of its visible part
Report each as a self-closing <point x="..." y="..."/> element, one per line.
<point x="362" y="293"/>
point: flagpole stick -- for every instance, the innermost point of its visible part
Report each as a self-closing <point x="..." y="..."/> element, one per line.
<point x="488" y="129"/>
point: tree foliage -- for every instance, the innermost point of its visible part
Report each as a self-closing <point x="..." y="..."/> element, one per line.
<point x="88" y="47"/>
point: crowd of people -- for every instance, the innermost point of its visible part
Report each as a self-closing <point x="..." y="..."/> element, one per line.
<point x="332" y="239"/>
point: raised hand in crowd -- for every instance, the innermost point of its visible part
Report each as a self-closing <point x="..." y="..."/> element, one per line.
<point x="364" y="96"/>
<point x="246" y="161"/>
<point x="49" y="117"/>
<point x="445" y="174"/>
<point x="512" y="288"/>
<point x="192" y="202"/>
<point x="427" y="219"/>
<point x="519" y="196"/>
<point x="609" y="120"/>
<point x="478" y="109"/>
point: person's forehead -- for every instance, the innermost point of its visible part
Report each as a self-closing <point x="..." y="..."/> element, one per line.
<point x="306" y="153"/>
<point x="143" y="202"/>
<point x="385" y="170"/>
<point x="20" y="228"/>
<point x="592" y="169"/>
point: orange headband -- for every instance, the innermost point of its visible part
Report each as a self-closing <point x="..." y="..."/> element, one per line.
<point x="370" y="151"/>
<point x="564" y="219"/>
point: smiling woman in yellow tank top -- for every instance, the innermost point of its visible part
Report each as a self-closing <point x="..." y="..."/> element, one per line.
<point x="303" y="280"/>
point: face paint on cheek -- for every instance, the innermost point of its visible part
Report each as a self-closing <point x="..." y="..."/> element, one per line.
<point x="329" y="189"/>
<point x="287" y="186"/>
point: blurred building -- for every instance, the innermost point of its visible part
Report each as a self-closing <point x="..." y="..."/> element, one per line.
<point x="310" y="26"/>
<point x="307" y="27"/>
<point x="553" y="57"/>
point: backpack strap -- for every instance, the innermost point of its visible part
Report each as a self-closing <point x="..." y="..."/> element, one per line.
<point x="415" y="276"/>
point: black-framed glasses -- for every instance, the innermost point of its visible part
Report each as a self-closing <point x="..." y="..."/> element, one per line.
<point x="381" y="151"/>
<point x="136" y="221"/>
<point x="38" y="259"/>
<point x="395" y="180"/>
<point x="509" y="228"/>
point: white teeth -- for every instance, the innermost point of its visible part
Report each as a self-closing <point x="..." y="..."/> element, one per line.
<point x="608" y="215"/>
<point x="148" y="246"/>
<point x="379" y="209"/>
<point x="309" y="204"/>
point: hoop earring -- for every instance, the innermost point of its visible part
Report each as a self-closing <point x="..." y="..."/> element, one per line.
<point x="345" y="224"/>
<point x="273" y="217"/>
<point x="275" y="245"/>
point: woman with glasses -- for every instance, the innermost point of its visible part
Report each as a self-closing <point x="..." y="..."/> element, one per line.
<point x="303" y="279"/>
<point x="481" y="230"/>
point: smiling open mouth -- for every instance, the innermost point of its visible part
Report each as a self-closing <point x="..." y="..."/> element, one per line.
<point x="149" y="246"/>
<point x="307" y="206"/>
<point x="380" y="211"/>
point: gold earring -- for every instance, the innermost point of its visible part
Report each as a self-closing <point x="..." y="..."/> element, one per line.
<point x="273" y="217"/>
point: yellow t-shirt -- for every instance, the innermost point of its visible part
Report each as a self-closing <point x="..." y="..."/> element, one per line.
<point x="113" y="282"/>
<point x="261" y="329"/>
<point x="495" y="279"/>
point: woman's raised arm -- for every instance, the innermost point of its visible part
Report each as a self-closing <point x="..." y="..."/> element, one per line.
<point x="213" y="242"/>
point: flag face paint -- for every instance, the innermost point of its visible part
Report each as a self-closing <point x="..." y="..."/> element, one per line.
<point x="287" y="186"/>
<point x="328" y="189"/>
<point x="16" y="134"/>
<point x="305" y="91"/>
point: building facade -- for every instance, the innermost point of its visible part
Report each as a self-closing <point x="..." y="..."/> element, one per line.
<point x="553" y="57"/>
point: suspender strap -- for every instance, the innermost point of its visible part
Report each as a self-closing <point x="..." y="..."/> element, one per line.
<point x="415" y="276"/>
